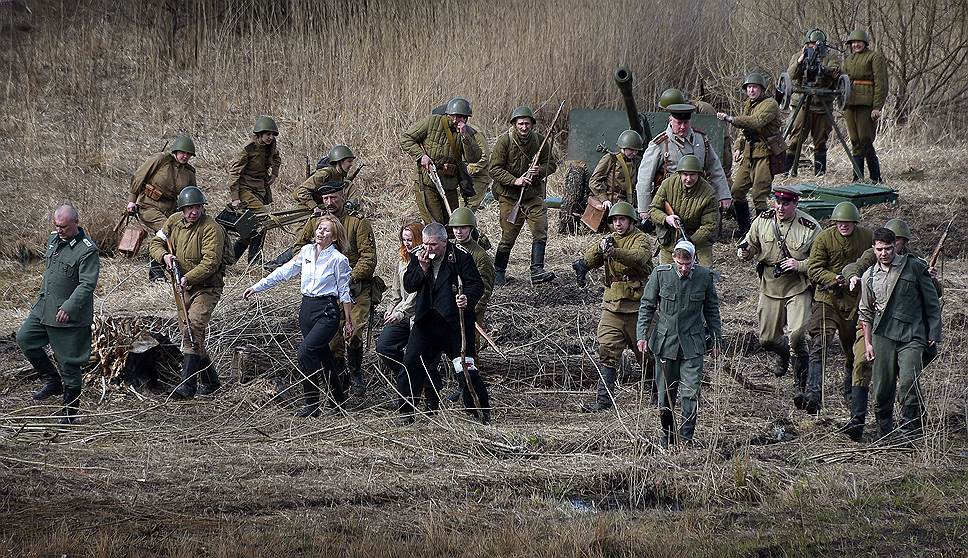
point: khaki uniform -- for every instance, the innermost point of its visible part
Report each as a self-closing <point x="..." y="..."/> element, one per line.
<point x="813" y="120"/>
<point x="510" y="159"/>
<point x="155" y="187"/>
<point x="251" y="174"/>
<point x="759" y="122"/>
<point x="485" y="266"/>
<point x="71" y="270"/>
<point x="478" y="172"/>
<point x="698" y="210"/>
<point x="784" y="302"/>
<point x="441" y="141"/>
<point x="614" y="178"/>
<point x="869" y="82"/>
<point x="835" y="309"/>
<point x="303" y="194"/>
<point x="200" y="251"/>
<point x="726" y="157"/>
<point x="661" y="157"/>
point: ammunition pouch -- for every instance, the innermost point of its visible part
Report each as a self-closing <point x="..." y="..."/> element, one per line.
<point x="157" y="194"/>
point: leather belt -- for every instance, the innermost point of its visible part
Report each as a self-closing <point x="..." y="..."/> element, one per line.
<point x="863" y="81"/>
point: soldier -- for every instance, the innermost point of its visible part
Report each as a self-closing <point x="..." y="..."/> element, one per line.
<point x="340" y="159"/>
<point x="155" y="186"/>
<point x="868" y="77"/>
<point x="673" y="96"/>
<point x="448" y="285"/>
<point x="365" y="288"/>
<point x="517" y="179"/>
<point x="760" y="123"/>
<point x="477" y="170"/>
<point x="900" y="314"/>
<point x="615" y="174"/>
<point x="627" y="261"/>
<point x="694" y="211"/>
<point x="781" y="239"/>
<point x="666" y="149"/>
<point x="251" y="175"/>
<point x="685" y="295"/>
<point x="812" y="119"/>
<point x="64" y="312"/>
<point x="197" y="245"/>
<point x="442" y="142"/>
<point x="834" y="310"/>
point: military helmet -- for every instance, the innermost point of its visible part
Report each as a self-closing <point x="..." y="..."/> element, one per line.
<point x="899" y="228"/>
<point x="672" y="96"/>
<point x="859" y="35"/>
<point x="689" y="163"/>
<point x="815" y="36"/>
<point x="459" y="105"/>
<point x="630" y="139"/>
<point x="340" y="152"/>
<point x="265" y="124"/>
<point x="462" y="217"/>
<point x="182" y="143"/>
<point x="846" y="212"/>
<point x="522" y="112"/>
<point x="755" y="78"/>
<point x="623" y="209"/>
<point x="191" y="195"/>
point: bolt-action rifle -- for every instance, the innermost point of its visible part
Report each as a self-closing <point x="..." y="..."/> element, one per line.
<point x="513" y="215"/>
<point x="179" y="292"/>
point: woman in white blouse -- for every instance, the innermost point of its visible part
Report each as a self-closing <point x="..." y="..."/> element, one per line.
<point x="400" y="306"/>
<point x="325" y="286"/>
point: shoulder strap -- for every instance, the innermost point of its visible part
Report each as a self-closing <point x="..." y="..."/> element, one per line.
<point x="454" y="150"/>
<point x="628" y="175"/>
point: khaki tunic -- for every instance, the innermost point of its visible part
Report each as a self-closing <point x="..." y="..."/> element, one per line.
<point x="698" y="210"/>
<point x="759" y="121"/>
<point x="510" y="159"/>
<point x="478" y="171"/>
<point x="869" y="83"/>
<point x="614" y="178"/>
<point x="252" y="172"/>
<point x="155" y="187"/>
<point x="661" y="157"/>
<point x="303" y="194"/>
<point x="485" y="266"/>
<point x="813" y="120"/>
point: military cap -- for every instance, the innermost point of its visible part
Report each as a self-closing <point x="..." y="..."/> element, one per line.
<point x="786" y="192"/>
<point x="899" y="228"/>
<point x="331" y="187"/>
<point x="681" y="111"/>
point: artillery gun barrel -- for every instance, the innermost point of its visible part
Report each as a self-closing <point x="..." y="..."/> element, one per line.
<point x="623" y="79"/>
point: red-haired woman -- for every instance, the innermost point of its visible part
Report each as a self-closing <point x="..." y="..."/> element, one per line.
<point x="400" y="306"/>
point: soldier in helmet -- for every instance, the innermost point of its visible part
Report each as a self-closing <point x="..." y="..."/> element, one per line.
<point x="813" y="119"/>
<point x="443" y="142"/>
<point x="340" y="160"/>
<point x="64" y="311"/>
<point x="156" y="185"/>
<point x="197" y="245"/>
<point x="674" y="96"/>
<point x="615" y="175"/>
<point x="868" y="78"/>
<point x="760" y="122"/>
<point x="625" y="255"/>
<point x="476" y="170"/>
<point x="251" y="175"/>
<point x="516" y="178"/>
<point x="781" y="239"/>
<point x="685" y="206"/>
<point x="665" y="150"/>
<point x="834" y="311"/>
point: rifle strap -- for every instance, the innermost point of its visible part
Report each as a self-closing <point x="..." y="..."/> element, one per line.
<point x="629" y="189"/>
<point x="781" y="238"/>
<point x="454" y="149"/>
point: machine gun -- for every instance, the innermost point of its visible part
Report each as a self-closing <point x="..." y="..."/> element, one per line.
<point x="247" y="223"/>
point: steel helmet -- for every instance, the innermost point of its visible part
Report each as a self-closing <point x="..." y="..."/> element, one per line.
<point x="462" y="217"/>
<point x="859" y="35"/>
<point x="459" y="105"/>
<point x="671" y="96"/>
<point x="630" y="139"/>
<point x="522" y="112"/>
<point x="183" y="143"/>
<point x="265" y="124"/>
<point x="191" y="195"/>
<point x="689" y="163"/>
<point x="815" y="36"/>
<point x="899" y="228"/>
<point x="755" y="78"/>
<point x="623" y="209"/>
<point x="340" y="152"/>
<point x="845" y="212"/>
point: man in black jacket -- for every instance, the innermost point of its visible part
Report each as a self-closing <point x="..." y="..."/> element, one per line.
<point x="447" y="283"/>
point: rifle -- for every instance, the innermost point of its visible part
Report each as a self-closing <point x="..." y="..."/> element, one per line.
<point x="940" y="247"/>
<point x="435" y="178"/>
<point x="489" y="340"/>
<point x="356" y="172"/>
<point x="179" y="293"/>
<point x="463" y="353"/>
<point x="308" y="171"/>
<point x="513" y="216"/>
<point x="681" y="229"/>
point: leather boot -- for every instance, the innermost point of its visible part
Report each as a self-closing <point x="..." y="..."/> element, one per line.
<point x="911" y="422"/>
<point x="239" y="248"/>
<point x="859" y="163"/>
<point x="885" y="423"/>
<point x="854" y="428"/>
<point x="310" y="397"/>
<point x="209" y="376"/>
<point x="846" y="387"/>
<point x="538" y="273"/>
<point x="581" y="271"/>
<point x="280" y="259"/>
<point x="189" y="377"/>
<point x="874" y="167"/>
<point x="668" y="428"/>
<point x="48" y="373"/>
<point x="501" y="259"/>
<point x="354" y="361"/>
<point x="820" y="163"/>
<point x="606" y="389"/>
<point x="156" y="272"/>
<point x="742" y="210"/>
<point x="782" y="350"/>
<point x="812" y="397"/>
<point x="255" y="247"/>
<point x="72" y="405"/>
<point x="800" y="366"/>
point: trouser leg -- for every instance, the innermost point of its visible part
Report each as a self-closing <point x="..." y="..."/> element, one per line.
<point x="762" y="180"/>
<point x="690" y="371"/>
<point x="667" y="380"/>
<point x="319" y="321"/>
<point x="909" y="359"/>
<point x="32" y="338"/>
<point x="884" y="386"/>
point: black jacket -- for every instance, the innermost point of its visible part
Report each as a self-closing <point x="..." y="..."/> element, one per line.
<point x="441" y="296"/>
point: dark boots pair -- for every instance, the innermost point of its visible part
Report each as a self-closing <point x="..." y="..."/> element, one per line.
<point x="782" y="350"/>
<point x="606" y="391"/>
<point x="311" y="392"/>
<point x="193" y="368"/>
<point x="483" y="412"/>
<point x="873" y="165"/>
<point x="801" y="364"/>
<point x="53" y="386"/>
<point x="854" y="428"/>
<point x="538" y="272"/>
<point x="254" y="245"/>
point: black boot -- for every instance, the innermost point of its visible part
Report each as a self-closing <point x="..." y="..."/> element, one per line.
<point x="189" y="377"/>
<point x="239" y="248"/>
<point x="668" y="428"/>
<point x="501" y="259"/>
<point x="156" y="272"/>
<point x="885" y="423"/>
<point x="846" y="387"/>
<point x="48" y="373"/>
<point x="255" y="247"/>
<point x="800" y="366"/>
<point x="310" y="397"/>
<point x="354" y="361"/>
<point x="854" y="428"/>
<point x="820" y="163"/>
<point x="280" y="259"/>
<point x="742" y="210"/>
<point x="812" y="397"/>
<point x="209" y="376"/>
<point x="859" y="163"/>
<point x="581" y="271"/>
<point x="72" y="405"/>
<point x="782" y="350"/>
<point x="606" y="390"/>
<point x="538" y="273"/>
<point x="874" y="167"/>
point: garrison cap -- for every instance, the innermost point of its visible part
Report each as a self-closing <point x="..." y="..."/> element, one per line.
<point x="681" y="111"/>
<point x="786" y="192"/>
<point x="331" y="187"/>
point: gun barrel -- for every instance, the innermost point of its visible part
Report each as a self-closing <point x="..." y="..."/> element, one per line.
<point x="623" y="79"/>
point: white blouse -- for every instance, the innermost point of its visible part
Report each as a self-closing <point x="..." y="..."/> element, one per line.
<point x="329" y="274"/>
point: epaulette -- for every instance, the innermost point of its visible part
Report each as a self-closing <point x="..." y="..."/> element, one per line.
<point x="698" y="130"/>
<point x="661" y="138"/>
<point x="663" y="267"/>
<point x="807" y="223"/>
<point x="88" y="243"/>
<point x="768" y="214"/>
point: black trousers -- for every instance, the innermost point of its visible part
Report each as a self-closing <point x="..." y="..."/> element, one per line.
<point x="391" y="345"/>
<point x="430" y="338"/>
<point x="319" y="319"/>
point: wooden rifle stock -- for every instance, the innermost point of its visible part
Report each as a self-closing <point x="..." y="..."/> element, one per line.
<point x="435" y="178"/>
<point x="940" y="246"/>
<point x="513" y="215"/>
<point x="179" y="293"/>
